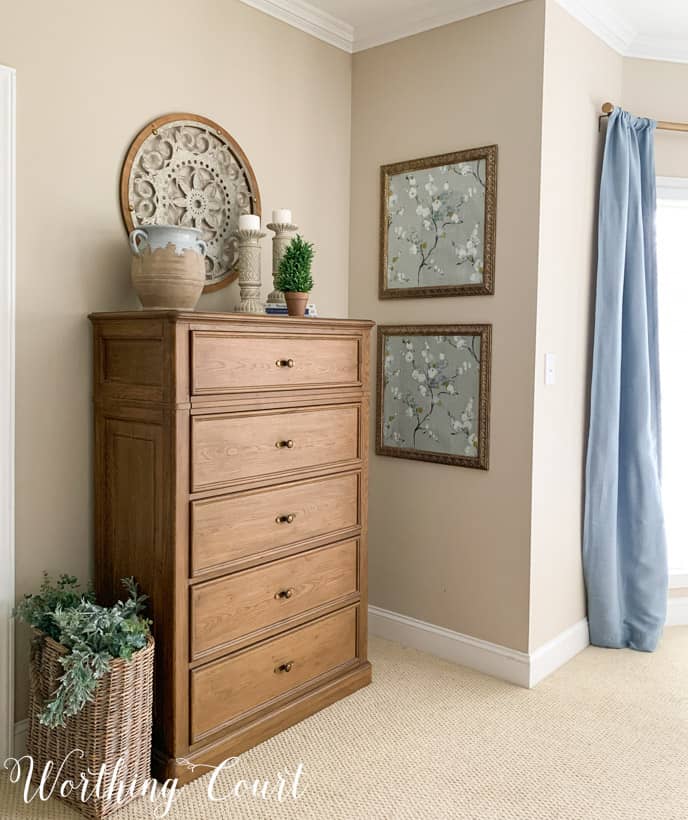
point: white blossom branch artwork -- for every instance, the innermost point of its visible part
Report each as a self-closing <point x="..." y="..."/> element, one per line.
<point x="438" y="225"/>
<point x="433" y="393"/>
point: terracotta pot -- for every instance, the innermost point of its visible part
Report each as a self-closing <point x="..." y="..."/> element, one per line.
<point x="168" y="266"/>
<point x="296" y="303"/>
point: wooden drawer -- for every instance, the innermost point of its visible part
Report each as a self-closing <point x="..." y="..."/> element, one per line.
<point x="245" y="602"/>
<point x="238" y="447"/>
<point x="225" y="690"/>
<point x="232" y="528"/>
<point x="227" y="362"/>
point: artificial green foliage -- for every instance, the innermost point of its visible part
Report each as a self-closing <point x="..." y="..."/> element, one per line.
<point x="37" y="610"/>
<point x="294" y="272"/>
<point x="94" y="634"/>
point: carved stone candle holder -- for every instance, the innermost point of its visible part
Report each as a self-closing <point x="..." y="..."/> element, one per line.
<point x="249" y="270"/>
<point x="283" y="234"/>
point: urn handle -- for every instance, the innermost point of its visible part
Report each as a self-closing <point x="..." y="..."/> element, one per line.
<point x="203" y="248"/>
<point x="133" y="236"/>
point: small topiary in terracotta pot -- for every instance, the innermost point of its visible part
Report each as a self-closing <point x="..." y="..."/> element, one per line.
<point x="294" y="275"/>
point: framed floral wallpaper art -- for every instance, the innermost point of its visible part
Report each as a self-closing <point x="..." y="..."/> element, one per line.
<point x="437" y="233"/>
<point x="433" y="393"/>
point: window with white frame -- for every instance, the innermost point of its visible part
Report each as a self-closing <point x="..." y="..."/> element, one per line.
<point x="672" y="258"/>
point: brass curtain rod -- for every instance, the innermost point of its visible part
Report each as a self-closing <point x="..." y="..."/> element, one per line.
<point x="662" y="125"/>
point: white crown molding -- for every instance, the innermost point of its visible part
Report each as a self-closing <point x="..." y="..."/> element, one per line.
<point x="521" y="668"/>
<point x="310" y="19"/>
<point x="610" y="26"/>
<point x="616" y="32"/>
<point x="602" y="21"/>
<point x="339" y="33"/>
<point x="397" y="27"/>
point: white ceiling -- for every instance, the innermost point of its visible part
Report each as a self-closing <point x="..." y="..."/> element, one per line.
<point x="656" y="29"/>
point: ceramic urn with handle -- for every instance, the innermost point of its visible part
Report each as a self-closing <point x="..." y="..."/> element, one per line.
<point x="168" y="266"/>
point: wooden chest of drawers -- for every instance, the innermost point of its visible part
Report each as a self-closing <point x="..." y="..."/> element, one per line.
<point x="231" y="481"/>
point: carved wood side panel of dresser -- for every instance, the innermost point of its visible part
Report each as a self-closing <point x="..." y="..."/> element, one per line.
<point x="231" y="479"/>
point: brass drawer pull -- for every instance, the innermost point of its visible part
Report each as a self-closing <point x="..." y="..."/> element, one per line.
<point x="285" y="519"/>
<point x="284" y="363"/>
<point x="285" y="593"/>
<point x="284" y="667"/>
<point x="282" y="444"/>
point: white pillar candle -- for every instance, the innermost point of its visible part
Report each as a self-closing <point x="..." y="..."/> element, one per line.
<point x="249" y="222"/>
<point x="282" y="216"/>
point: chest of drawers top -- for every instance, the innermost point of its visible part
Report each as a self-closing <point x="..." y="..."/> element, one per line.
<point x="175" y="357"/>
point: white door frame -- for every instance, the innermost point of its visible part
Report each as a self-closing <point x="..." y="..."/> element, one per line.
<point x="7" y="312"/>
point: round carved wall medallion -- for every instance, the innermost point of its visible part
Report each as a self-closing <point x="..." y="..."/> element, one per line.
<point x="184" y="169"/>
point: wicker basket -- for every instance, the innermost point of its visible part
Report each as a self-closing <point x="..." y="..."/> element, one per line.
<point x="117" y="724"/>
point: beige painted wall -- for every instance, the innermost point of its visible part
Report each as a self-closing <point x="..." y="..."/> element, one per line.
<point x="451" y="545"/>
<point x="447" y="545"/>
<point x="89" y="76"/>
<point x="658" y="89"/>
<point x="580" y="73"/>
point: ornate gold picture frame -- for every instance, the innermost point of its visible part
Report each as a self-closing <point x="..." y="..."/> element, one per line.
<point x="438" y="225"/>
<point x="433" y="393"/>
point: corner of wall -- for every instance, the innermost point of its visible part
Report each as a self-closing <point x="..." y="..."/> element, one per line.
<point x="573" y="88"/>
<point x="473" y="573"/>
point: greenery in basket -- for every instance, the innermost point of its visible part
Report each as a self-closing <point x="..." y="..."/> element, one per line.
<point x="93" y="634"/>
<point x="294" y="272"/>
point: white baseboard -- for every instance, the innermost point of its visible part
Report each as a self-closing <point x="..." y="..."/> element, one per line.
<point x="20" y="737"/>
<point x="555" y="653"/>
<point x="492" y="659"/>
<point x="677" y="612"/>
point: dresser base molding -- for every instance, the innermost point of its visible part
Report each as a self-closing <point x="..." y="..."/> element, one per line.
<point x="236" y="742"/>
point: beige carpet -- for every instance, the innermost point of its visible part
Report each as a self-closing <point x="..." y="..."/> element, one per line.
<point x="605" y="738"/>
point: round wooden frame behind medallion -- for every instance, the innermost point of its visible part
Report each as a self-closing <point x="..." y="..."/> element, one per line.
<point x="151" y="128"/>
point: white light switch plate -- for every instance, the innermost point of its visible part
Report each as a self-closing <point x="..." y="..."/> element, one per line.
<point x="550" y="368"/>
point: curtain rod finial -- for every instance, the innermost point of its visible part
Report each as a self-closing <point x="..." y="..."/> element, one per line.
<point x="607" y="108"/>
